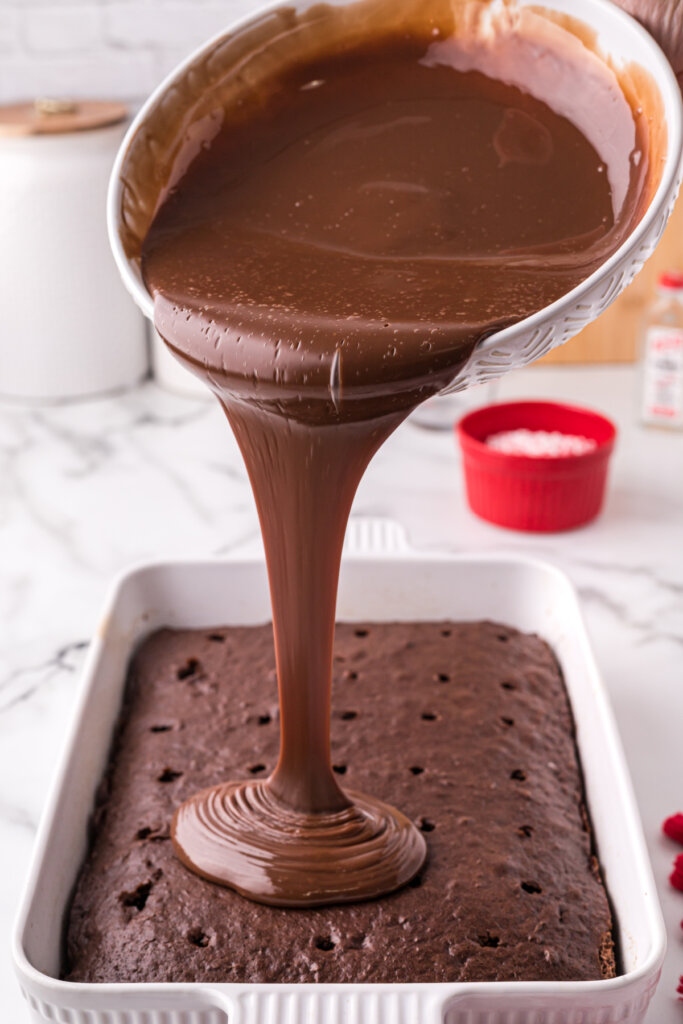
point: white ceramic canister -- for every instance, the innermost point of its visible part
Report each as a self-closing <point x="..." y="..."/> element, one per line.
<point x="68" y="329"/>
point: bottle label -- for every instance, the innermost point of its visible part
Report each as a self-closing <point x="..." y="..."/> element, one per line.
<point x="663" y="376"/>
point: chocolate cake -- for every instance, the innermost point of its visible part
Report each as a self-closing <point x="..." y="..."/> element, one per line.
<point x="465" y="727"/>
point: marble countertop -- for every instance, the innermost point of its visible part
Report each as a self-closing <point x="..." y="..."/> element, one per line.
<point x="88" y="488"/>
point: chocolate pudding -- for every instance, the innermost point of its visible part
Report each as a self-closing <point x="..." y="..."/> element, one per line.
<point x="332" y="242"/>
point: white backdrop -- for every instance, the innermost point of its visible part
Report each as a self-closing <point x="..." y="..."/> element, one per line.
<point x="101" y="49"/>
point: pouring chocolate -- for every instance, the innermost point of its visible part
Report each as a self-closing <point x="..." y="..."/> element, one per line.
<point x="327" y="240"/>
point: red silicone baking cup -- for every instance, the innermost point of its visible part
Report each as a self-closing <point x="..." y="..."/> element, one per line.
<point x="539" y="494"/>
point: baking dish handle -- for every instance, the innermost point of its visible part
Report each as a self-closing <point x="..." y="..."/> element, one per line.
<point x="373" y="536"/>
<point x="170" y="1003"/>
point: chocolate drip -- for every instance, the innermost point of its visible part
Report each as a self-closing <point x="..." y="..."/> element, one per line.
<point x="324" y="264"/>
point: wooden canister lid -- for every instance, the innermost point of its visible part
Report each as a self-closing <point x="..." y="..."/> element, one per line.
<point x="56" y="116"/>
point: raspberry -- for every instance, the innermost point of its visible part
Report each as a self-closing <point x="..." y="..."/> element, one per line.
<point x="680" y="988"/>
<point x="673" y="827"/>
<point x="676" y="876"/>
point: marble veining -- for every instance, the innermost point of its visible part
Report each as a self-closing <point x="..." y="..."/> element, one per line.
<point x="88" y="489"/>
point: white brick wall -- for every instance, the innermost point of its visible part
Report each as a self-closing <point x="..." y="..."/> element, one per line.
<point x="101" y="49"/>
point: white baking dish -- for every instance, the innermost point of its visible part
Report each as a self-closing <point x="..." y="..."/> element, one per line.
<point x="382" y="579"/>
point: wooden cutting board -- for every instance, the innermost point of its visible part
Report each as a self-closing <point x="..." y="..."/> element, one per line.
<point x="613" y="337"/>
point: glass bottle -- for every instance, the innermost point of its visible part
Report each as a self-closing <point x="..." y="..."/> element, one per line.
<point x="661" y="355"/>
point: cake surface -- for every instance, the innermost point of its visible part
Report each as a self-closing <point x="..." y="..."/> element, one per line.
<point x="465" y="727"/>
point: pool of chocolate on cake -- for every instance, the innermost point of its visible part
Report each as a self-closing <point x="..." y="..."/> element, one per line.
<point x="466" y="727"/>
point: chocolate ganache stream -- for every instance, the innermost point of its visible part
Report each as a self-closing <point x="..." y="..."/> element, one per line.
<point x="333" y="247"/>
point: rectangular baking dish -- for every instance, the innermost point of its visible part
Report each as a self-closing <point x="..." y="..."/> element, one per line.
<point x="382" y="580"/>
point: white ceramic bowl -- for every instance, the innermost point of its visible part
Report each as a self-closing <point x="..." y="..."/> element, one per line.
<point x="620" y="39"/>
<point x="381" y="580"/>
